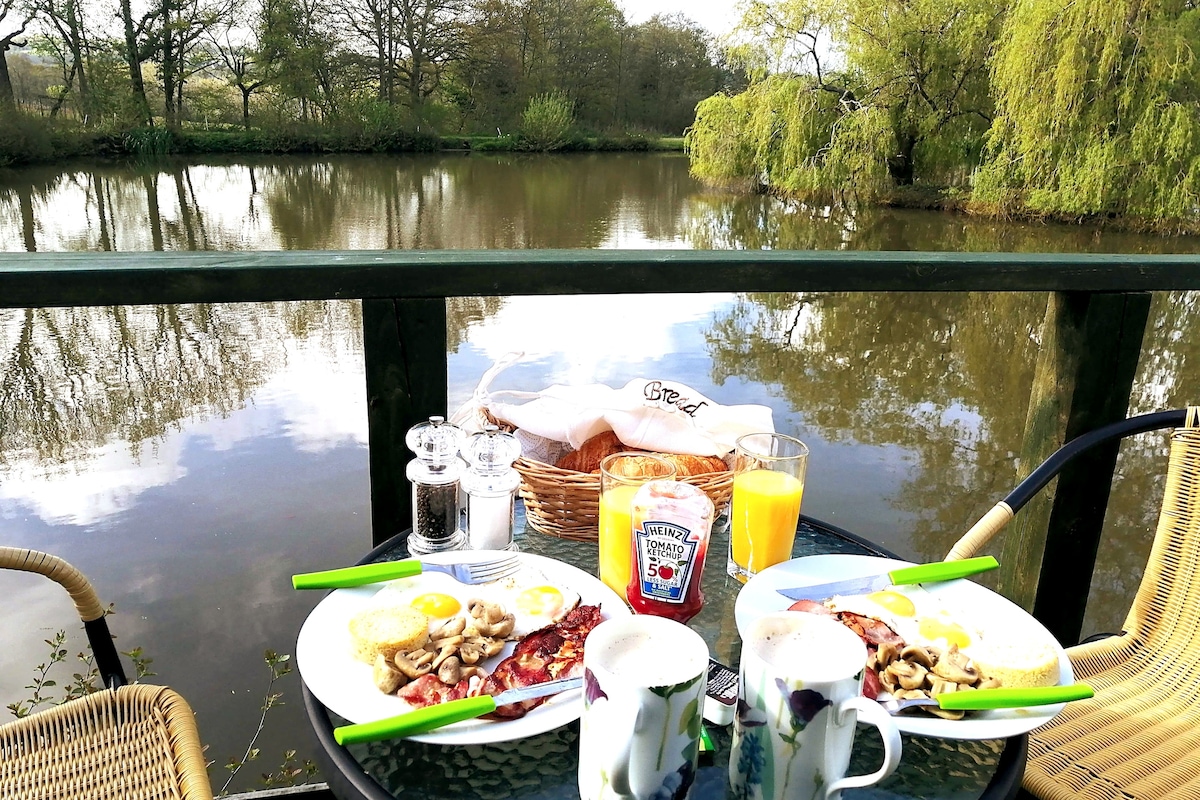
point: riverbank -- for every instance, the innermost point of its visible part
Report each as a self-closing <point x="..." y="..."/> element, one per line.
<point x="29" y="141"/>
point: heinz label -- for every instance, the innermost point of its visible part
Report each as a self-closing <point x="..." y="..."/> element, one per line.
<point x="666" y="553"/>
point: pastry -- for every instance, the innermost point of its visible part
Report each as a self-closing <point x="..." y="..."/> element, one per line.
<point x="589" y="455"/>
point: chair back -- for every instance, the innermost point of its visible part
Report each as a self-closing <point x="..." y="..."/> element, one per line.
<point x="1166" y="608"/>
<point x="134" y="742"/>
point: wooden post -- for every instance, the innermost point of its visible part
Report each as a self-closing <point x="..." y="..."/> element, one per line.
<point x="404" y="349"/>
<point x="1084" y="376"/>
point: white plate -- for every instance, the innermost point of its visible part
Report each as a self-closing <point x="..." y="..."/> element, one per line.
<point x="759" y="596"/>
<point x="344" y="685"/>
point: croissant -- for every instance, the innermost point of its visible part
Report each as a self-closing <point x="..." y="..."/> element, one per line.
<point x="686" y="466"/>
<point x="589" y="455"/>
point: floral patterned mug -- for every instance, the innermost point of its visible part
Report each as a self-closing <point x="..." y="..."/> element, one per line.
<point x="798" y="701"/>
<point x="643" y="682"/>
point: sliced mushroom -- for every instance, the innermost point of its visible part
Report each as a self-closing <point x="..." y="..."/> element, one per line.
<point x="945" y="713"/>
<point x="917" y="655"/>
<point x="444" y="654"/>
<point x="907" y="674"/>
<point x="471" y="651"/>
<point x="989" y="683"/>
<point x="387" y="678"/>
<point x="956" y="667"/>
<point x="887" y="681"/>
<point x="941" y="686"/>
<point x="498" y="629"/>
<point x="482" y="610"/>
<point x="472" y="672"/>
<point x="449" y="671"/>
<point x="886" y="654"/>
<point x="451" y="627"/>
<point x="448" y="642"/>
<point x="413" y="665"/>
<point x="492" y="647"/>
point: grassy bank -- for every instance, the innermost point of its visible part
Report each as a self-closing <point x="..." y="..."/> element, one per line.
<point x="32" y="141"/>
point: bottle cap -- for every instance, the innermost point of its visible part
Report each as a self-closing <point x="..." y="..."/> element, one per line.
<point x="436" y="446"/>
<point x="491" y="451"/>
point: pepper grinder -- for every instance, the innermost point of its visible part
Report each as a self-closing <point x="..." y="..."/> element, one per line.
<point x="491" y="485"/>
<point x="434" y="475"/>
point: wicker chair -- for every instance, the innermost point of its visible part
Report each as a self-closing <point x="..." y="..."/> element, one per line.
<point x="1139" y="737"/>
<point x="131" y="742"/>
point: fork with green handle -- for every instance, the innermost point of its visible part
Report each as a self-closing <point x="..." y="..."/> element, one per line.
<point x="472" y="572"/>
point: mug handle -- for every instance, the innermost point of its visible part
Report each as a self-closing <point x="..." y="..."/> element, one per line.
<point x="871" y="713"/>
<point x="617" y="763"/>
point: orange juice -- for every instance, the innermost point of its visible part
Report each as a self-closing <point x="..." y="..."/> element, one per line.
<point x="764" y="512"/>
<point x="616" y="528"/>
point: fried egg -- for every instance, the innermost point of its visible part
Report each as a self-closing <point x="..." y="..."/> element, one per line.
<point x="913" y="613"/>
<point x="534" y="600"/>
<point x="439" y="597"/>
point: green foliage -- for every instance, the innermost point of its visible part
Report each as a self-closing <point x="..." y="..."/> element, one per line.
<point x="149" y="141"/>
<point x="288" y="773"/>
<point x="909" y="102"/>
<point x="24" y="139"/>
<point x="786" y="134"/>
<point x="1097" y="111"/>
<point x="547" y="121"/>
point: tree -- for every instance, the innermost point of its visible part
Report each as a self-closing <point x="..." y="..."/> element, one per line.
<point x="876" y="93"/>
<point x="666" y="69"/>
<point x="237" y="45"/>
<point x="299" y="40"/>
<point x="18" y="18"/>
<point x="68" y="42"/>
<point x="137" y="50"/>
<point x="184" y="25"/>
<point x="1097" y="110"/>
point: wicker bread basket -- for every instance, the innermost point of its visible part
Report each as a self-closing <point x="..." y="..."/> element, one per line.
<point x="565" y="503"/>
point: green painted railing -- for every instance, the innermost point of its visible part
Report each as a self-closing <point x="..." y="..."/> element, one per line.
<point x="1091" y="339"/>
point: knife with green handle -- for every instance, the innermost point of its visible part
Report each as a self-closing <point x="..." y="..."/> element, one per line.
<point x="426" y="719"/>
<point x="983" y="699"/>
<point x="921" y="573"/>
<point x="362" y="575"/>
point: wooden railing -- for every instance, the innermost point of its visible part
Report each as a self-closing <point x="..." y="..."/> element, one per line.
<point x="1091" y="339"/>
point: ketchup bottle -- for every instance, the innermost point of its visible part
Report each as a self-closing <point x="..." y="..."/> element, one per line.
<point x="671" y="525"/>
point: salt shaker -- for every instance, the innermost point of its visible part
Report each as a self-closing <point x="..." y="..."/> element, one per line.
<point x="434" y="475"/>
<point x="491" y="485"/>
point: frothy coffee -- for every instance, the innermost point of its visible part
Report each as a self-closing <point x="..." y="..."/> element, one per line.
<point x="647" y="659"/>
<point x="807" y="646"/>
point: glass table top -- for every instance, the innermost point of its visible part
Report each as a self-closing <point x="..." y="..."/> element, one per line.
<point x="544" y="766"/>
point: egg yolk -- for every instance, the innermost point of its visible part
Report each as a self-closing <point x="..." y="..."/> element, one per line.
<point x="894" y="602"/>
<point x="540" y="601"/>
<point x="436" y="604"/>
<point x="952" y="633"/>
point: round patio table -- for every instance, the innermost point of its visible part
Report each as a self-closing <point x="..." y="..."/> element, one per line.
<point x="544" y="766"/>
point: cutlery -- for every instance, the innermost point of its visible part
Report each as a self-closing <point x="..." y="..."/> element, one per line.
<point x="981" y="699"/>
<point x="469" y="573"/>
<point x="430" y="717"/>
<point x="921" y="573"/>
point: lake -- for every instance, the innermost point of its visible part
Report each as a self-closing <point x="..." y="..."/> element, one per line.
<point x="190" y="458"/>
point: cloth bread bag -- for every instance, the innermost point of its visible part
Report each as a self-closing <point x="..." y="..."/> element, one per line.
<point x="649" y="414"/>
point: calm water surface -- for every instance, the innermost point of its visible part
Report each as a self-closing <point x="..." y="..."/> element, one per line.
<point x="190" y="458"/>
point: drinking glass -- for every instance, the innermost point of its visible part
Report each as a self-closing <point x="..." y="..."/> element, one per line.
<point x="768" y="484"/>
<point x="620" y="476"/>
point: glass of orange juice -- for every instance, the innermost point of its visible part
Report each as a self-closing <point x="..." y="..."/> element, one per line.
<point x="768" y="484"/>
<point x="620" y="476"/>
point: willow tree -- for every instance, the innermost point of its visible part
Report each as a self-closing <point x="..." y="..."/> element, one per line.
<point x="1097" y="110"/>
<point x="875" y="93"/>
